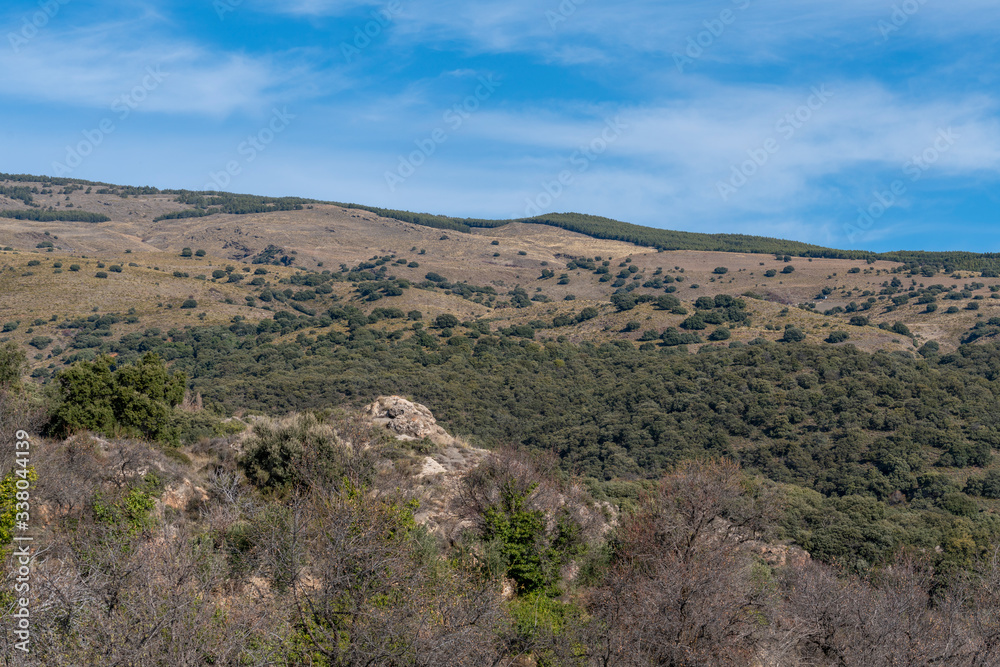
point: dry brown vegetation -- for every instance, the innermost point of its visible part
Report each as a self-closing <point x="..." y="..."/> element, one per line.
<point x="323" y="237"/>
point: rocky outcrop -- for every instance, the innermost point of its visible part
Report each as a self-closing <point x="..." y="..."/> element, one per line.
<point x="407" y="420"/>
<point x="780" y="555"/>
<point x="439" y="474"/>
<point x="180" y="496"/>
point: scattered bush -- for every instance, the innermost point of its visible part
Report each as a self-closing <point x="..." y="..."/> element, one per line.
<point x="793" y="335"/>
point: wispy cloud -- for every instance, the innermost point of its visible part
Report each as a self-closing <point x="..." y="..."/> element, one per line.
<point x="761" y="30"/>
<point x="96" y="66"/>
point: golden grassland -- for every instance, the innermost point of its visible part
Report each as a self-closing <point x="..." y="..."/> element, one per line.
<point x="324" y="237"/>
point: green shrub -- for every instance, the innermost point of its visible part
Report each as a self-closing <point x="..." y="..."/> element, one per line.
<point x="793" y="335"/>
<point x="136" y="399"/>
<point x="446" y="321"/>
<point x="987" y="486"/>
<point x="13" y="365"/>
<point x="694" y="323"/>
<point x="132" y="513"/>
<point x="282" y="454"/>
<point x="722" y="333"/>
<point x="9" y="505"/>
<point x="40" y="342"/>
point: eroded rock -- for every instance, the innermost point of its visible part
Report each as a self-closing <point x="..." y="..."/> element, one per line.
<point x="407" y="420"/>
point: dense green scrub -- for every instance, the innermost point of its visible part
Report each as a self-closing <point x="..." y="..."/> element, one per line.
<point x="875" y="443"/>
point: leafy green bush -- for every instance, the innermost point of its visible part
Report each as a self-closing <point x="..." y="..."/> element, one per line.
<point x="9" y="504"/>
<point x="523" y="536"/>
<point x="623" y="302"/>
<point x="446" y="321"/>
<point x="722" y="333"/>
<point x="793" y="335"/>
<point x="695" y="323"/>
<point x="672" y="338"/>
<point x="310" y="448"/>
<point x="133" y="513"/>
<point x="135" y="399"/>
<point x="40" y="342"/>
<point x="987" y="486"/>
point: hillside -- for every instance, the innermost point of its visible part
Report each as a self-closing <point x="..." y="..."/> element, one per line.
<point x="537" y="258"/>
<point x="211" y="366"/>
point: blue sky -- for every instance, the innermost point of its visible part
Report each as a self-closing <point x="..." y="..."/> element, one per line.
<point x="852" y="124"/>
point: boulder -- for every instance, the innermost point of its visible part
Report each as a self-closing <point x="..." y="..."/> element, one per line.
<point x="407" y="420"/>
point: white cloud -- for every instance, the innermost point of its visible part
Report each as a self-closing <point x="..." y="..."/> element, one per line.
<point x="757" y="29"/>
<point x="110" y="62"/>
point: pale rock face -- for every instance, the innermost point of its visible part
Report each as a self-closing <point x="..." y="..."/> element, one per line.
<point x="440" y="473"/>
<point x="179" y="496"/>
<point x="780" y="555"/>
<point x="407" y="420"/>
<point x="431" y="467"/>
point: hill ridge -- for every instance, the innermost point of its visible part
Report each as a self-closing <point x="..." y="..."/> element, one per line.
<point x="206" y="203"/>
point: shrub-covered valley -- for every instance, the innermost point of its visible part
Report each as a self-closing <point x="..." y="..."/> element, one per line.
<point x="657" y="447"/>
